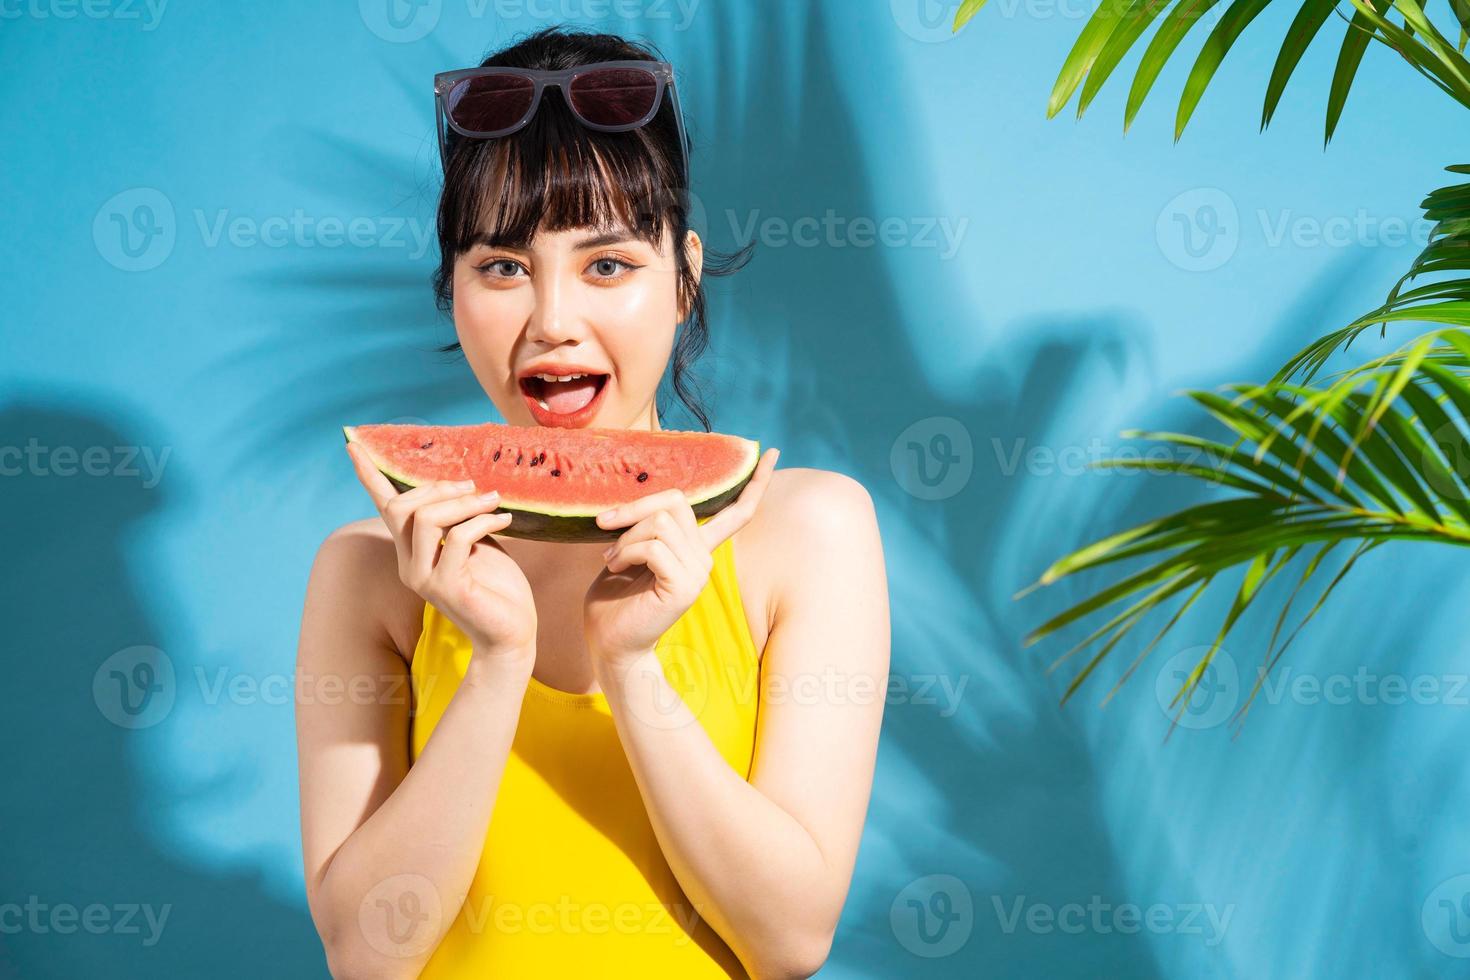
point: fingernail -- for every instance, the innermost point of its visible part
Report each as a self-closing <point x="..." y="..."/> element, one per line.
<point x="490" y="495"/>
<point x="605" y="554"/>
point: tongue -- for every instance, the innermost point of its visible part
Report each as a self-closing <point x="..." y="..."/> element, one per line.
<point x="567" y="397"/>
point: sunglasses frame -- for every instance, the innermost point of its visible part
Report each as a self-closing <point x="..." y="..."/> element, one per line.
<point x="662" y="72"/>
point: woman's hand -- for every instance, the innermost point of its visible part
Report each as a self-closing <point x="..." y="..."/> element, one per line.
<point x="468" y="577"/>
<point x="659" y="566"/>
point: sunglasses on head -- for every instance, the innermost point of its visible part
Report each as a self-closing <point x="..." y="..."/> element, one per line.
<point x="608" y="96"/>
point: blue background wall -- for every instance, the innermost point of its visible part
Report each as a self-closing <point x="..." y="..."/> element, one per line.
<point x="1068" y="306"/>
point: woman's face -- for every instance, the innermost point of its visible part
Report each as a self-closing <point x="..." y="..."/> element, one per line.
<point x="597" y="302"/>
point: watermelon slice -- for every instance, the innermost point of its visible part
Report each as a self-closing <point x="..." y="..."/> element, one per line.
<point x="555" y="480"/>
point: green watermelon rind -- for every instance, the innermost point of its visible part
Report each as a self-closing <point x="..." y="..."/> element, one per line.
<point x="574" y="525"/>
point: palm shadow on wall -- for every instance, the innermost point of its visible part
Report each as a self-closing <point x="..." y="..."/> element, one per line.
<point x="80" y="827"/>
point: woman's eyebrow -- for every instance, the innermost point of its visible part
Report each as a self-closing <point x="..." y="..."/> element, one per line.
<point x="489" y="241"/>
<point x="610" y="237"/>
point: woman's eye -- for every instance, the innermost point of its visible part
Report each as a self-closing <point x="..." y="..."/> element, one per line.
<point x="609" y="267"/>
<point x="501" y="268"/>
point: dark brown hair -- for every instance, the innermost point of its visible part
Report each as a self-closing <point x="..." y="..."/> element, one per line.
<point x="556" y="174"/>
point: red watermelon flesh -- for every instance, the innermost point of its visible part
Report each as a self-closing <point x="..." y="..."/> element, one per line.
<point x="556" y="480"/>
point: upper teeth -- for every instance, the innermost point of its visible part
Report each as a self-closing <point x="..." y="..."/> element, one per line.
<point x="562" y="377"/>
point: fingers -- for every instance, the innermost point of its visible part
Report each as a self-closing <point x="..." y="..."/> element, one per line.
<point x="667" y="517"/>
<point x="673" y="504"/>
<point x="667" y="569"/>
<point x="431" y="519"/>
<point x="636" y="511"/>
<point x="673" y="500"/>
<point x="398" y="513"/>
<point x="679" y="533"/>
<point x="376" y="484"/>
<point x="737" y="515"/>
<point x="464" y="536"/>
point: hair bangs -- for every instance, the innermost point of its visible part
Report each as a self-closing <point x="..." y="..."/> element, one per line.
<point x="557" y="175"/>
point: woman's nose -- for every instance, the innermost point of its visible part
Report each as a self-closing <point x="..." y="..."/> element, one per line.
<point x="556" y="317"/>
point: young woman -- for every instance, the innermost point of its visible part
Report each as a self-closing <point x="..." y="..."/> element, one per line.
<point x="522" y="759"/>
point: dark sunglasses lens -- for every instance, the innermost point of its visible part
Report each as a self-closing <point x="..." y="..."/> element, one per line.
<point x="614" y="96"/>
<point x="487" y="103"/>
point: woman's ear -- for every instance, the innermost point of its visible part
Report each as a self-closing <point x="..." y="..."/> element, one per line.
<point x="694" y="254"/>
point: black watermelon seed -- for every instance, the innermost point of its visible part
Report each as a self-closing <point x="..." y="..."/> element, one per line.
<point x="535" y="460"/>
<point x="519" y="457"/>
<point x="427" y="444"/>
<point x="556" y="472"/>
<point x="642" y="477"/>
<point x="497" y="456"/>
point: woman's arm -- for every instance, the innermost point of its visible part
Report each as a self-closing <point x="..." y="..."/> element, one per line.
<point x="768" y="862"/>
<point x="390" y="850"/>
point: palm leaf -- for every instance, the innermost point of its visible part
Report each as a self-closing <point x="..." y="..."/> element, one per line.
<point x="1374" y="455"/>
<point x="1089" y="44"/>
<point x="1349" y="56"/>
<point x="1160" y="49"/>
<point x="1217" y="45"/>
<point x="1117" y="25"/>
<point x="1445" y="300"/>
<point x="1135" y="20"/>
<point x="966" y="10"/>
<point x="1309" y="20"/>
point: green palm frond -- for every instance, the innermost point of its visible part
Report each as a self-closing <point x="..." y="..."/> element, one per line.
<point x="1118" y="25"/>
<point x="1317" y="473"/>
<point x="1378" y="453"/>
<point x="1445" y="299"/>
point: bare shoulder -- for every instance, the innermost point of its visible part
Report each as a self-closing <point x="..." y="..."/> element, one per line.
<point x="808" y="522"/>
<point x="812" y="505"/>
<point x="355" y="579"/>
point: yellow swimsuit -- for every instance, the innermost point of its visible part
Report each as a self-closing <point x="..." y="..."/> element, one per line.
<point x="572" y="882"/>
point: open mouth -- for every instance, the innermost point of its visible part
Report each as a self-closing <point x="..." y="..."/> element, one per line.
<point x="566" y="401"/>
